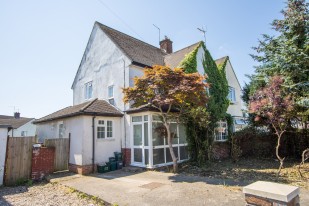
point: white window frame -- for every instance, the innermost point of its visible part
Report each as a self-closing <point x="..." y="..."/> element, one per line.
<point x="88" y="92"/>
<point x="105" y="125"/>
<point x="111" y="98"/>
<point x="23" y="133"/>
<point x="221" y="132"/>
<point x="232" y="94"/>
<point x="58" y="130"/>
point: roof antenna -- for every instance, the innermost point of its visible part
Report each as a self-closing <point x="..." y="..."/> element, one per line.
<point x="204" y="32"/>
<point x="159" y="32"/>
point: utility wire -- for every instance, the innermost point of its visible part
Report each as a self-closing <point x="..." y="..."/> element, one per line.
<point x="119" y="18"/>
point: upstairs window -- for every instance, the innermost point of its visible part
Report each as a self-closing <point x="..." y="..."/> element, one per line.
<point x="88" y="90"/>
<point x="232" y="95"/>
<point x="111" y="95"/>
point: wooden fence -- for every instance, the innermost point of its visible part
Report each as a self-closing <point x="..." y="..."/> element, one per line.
<point x="62" y="152"/>
<point x="18" y="159"/>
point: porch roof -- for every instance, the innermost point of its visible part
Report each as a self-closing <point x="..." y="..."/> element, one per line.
<point x="95" y="108"/>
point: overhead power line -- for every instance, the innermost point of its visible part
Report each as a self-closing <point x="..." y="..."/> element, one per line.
<point x="119" y="18"/>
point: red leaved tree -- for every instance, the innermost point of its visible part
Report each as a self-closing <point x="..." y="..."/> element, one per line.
<point x="172" y="92"/>
<point x="275" y="105"/>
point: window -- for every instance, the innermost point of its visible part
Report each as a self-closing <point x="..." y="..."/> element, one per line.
<point x="137" y="119"/>
<point x="88" y="90"/>
<point x="104" y="131"/>
<point x="23" y="133"/>
<point x="60" y="130"/>
<point x="232" y="96"/>
<point x="111" y="95"/>
<point x="109" y="129"/>
<point x="221" y="132"/>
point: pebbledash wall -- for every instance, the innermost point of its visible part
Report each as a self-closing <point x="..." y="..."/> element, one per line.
<point x="80" y="130"/>
<point x="3" y="142"/>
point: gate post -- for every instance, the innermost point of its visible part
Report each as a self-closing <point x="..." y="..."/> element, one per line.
<point x="3" y="150"/>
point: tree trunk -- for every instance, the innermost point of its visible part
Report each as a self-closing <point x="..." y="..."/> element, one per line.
<point x="277" y="154"/>
<point x="170" y="145"/>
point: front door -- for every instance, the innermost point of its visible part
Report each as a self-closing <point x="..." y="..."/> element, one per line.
<point x="138" y="144"/>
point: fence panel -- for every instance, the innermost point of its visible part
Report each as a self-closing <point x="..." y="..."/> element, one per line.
<point x="18" y="159"/>
<point x="62" y="151"/>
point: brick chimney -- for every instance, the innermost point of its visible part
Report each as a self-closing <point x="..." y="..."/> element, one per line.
<point x="16" y="115"/>
<point x="166" y="45"/>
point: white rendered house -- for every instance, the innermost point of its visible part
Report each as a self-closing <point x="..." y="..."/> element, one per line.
<point x="19" y="126"/>
<point x="110" y="62"/>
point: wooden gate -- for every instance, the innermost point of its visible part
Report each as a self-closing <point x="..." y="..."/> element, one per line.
<point x="62" y="152"/>
<point x="18" y="159"/>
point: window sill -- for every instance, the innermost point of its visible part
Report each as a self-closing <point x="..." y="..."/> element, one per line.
<point x="224" y="140"/>
<point x="106" y="139"/>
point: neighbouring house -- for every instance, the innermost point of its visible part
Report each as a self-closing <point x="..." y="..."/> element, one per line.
<point x="20" y="126"/>
<point x="99" y="123"/>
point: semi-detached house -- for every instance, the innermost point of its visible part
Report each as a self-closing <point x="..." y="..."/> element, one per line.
<point x="99" y="123"/>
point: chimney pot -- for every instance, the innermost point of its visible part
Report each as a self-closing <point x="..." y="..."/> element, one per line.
<point x="16" y="115"/>
<point x="166" y="45"/>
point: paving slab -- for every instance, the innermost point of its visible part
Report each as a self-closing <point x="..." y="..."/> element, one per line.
<point x="157" y="188"/>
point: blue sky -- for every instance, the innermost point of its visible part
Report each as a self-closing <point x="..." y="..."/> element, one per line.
<point x="42" y="42"/>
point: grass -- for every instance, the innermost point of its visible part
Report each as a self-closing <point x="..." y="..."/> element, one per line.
<point x="250" y="170"/>
<point x="82" y="195"/>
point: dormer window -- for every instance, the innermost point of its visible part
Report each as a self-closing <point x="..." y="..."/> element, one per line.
<point x="88" y="90"/>
<point x="111" y="95"/>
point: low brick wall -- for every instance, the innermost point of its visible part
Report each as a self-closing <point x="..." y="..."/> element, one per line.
<point x="221" y="150"/>
<point x="126" y="156"/>
<point x="42" y="162"/>
<point x="82" y="169"/>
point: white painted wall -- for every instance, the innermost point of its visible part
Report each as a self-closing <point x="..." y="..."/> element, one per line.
<point x="80" y="128"/>
<point x="74" y="126"/>
<point x="235" y="108"/>
<point x="104" y="148"/>
<point x="3" y="142"/>
<point x="104" y="64"/>
<point x="29" y="127"/>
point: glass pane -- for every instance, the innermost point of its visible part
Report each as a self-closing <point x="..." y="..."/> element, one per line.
<point x="146" y="156"/>
<point x="146" y="118"/>
<point x="110" y="91"/>
<point x="137" y="119"/>
<point x="182" y="134"/>
<point x="156" y="118"/>
<point x="168" y="154"/>
<point x="174" y="134"/>
<point x="138" y="155"/>
<point x="158" y="156"/>
<point x="157" y="133"/>
<point x="146" y="134"/>
<point x="184" y="153"/>
<point x="137" y="133"/>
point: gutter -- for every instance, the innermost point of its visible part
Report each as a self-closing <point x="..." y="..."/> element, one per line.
<point x="93" y="143"/>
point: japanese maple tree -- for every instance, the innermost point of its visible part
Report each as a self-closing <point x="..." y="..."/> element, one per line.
<point x="172" y="92"/>
<point x="275" y="105"/>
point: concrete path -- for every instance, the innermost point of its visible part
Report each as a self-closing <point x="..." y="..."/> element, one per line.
<point x="155" y="188"/>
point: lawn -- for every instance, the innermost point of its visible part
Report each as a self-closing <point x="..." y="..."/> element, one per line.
<point x="250" y="170"/>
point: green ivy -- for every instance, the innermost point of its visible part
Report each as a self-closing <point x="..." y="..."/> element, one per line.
<point x="200" y="138"/>
<point x="189" y="63"/>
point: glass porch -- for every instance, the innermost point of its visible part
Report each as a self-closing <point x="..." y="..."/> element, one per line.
<point x="149" y="144"/>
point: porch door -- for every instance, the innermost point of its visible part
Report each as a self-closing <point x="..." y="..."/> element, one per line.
<point x="138" y="145"/>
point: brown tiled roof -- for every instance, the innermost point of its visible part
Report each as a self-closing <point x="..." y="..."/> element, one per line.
<point x="14" y="122"/>
<point x="173" y="60"/>
<point x="94" y="107"/>
<point x="138" y="51"/>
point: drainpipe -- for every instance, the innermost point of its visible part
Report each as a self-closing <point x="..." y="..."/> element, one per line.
<point x="124" y="117"/>
<point x="93" y="143"/>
